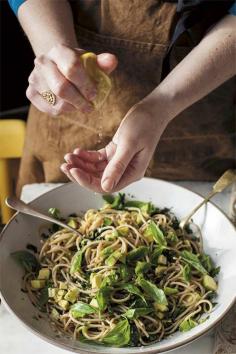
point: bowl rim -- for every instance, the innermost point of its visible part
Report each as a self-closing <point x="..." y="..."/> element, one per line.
<point x="84" y="350"/>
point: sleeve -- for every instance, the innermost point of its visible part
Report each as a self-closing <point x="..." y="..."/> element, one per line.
<point x="15" y="4"/>
<point x="232" y="10"/>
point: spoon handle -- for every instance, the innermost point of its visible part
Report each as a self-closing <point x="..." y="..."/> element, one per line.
<point x="22" y="207"/>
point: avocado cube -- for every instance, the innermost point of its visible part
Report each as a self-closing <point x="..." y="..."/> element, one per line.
<point x="148" y="235"/>
<point x="72" y="223"/>
<point x="113" y="258"/>
<point x="160" y="315"/>
<point x="94" y="303"/>
<point x="95" y="280"/>
<point x="160" y="307"/>
<point x="162" y="260"/>
<point x="209" y="283"/>
<point x="160" y="269"/>
<point x="37" y="283"/>
<point x="72" y="295"/>
<point x="44" y="274"/>
<point x="62" y="285"/>
<point x="52" y="292"/>
<point x="63" y="304"/>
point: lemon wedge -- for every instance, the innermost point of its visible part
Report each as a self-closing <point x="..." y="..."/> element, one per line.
<point x="103" y="82"/>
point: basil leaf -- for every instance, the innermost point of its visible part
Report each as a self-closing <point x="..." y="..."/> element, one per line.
<point x="142" y="267"/>
<point x="76" y="262"/>
<point x="26" y="260"/>
<point x="137" y="253"/>
<point x="146" y="208"/>
<point x="124" y="272"/>
<point x="135" y="313"/>
<point x="108" y="198"/>
<point x="43" y="298"/>
<point x="215" y="271"/>
<point x="119" y="336"/>
<point x="186" y="273"/>
<point x="132" y="289"/>
<point x="154" y="230"/>
<point x="206" y="262"/>
<point x="102" y="298"/>
<point x="80" y="309"/>
<point x="193" y="260"/>
<point x="156" y="253"/>
<point x="153" y="291"/>
<point x="107" y="222"/>
<point x="186" y="325"/>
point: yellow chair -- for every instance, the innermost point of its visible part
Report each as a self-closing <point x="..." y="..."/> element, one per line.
<point x="12" y="134"/>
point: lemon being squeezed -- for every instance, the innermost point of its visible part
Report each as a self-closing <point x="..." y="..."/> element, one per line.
<point x="102" y="81"/>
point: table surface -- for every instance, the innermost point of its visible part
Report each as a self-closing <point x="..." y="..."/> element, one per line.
<point x="16" y="339"/>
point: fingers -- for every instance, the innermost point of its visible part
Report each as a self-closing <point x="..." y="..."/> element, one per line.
<point x="58" y="84"/>
<point x="107" y="62"/>
<point x="93" y="167"/>
<point x="69" y="64"/>
<point x="116" y="166"/>
<point x="65" y="168"/>
<point x="87" y="180"/>
<point x="40" y="103"/>
<point x="91" y="156"/>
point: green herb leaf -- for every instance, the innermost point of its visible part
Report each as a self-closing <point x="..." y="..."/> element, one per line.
<point x="107" y="222"/>
<point x="135" y="313"/>
<point x="43" y="298"/>
<point x="102" y="298"/>
<point x="133" y="290"/>
<point x="124" y="272"/>
<point x="153" y="291"/>
<point x="206" y="262"/>
<point x="116" y="202"/>
<point x="186" y="273"/>
<point x="119" y="336"/>
<point x="186" y="325"/>
<point x="108" y="198"/>
<point x="193" y="260"/>
<point x="142" y="267"/>
<point x="146" y="208"/>
<point x="76" y="262"/>
<point x="26" y="260"/>
<point x="215" y="271"/>
<point x="80" y="309"/>
<point x="137" y="253"/>
<point x="154" y="230"/>
<point x="156" y="253"/>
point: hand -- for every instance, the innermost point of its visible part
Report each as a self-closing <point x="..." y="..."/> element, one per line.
<point x="125" y="159"/>
<point x="61" y="71"/>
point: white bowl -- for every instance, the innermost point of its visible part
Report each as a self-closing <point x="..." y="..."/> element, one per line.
<point x="219" y="241"/>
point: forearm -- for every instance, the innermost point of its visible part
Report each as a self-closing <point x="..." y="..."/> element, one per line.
<point x="208" y="65"/>
<point x="47" y="23"/>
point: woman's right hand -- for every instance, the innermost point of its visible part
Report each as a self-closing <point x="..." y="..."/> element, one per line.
<point x="61" y="71"/>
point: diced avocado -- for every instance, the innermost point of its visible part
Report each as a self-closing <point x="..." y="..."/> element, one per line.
<point x="160" y="269"/>
<point x="72" y="295"/>
<point x="96" y="280"/>
<point x="142" y="267"/>
<point x="170" y="291"/>
<point x="94" y="303"/>
<point x="62" y="285"/>
<point x="139" y="219"/>
<point x="113" y="258"/>
<point x="63" y="304"/>
<point x="162" y="260"/>
<point x="38" y="283"/>
<point x="52" y="292"/>
<point x="209" y="283"/>
<point x="44" y="274"/>
<point x="123" y="230"/>
<point x="111" y="236"/>
<point x="192" y="298"/>
<point x="55" y="314"/>
<point x="106" y="252"/>
<point x="160" y="307"/>
<point x="171" y="236"/>
<point x="160" y="315"/>
<point x="148" y="235"/>
<point x="72" y="223"/>
<point x="60" y="294"/>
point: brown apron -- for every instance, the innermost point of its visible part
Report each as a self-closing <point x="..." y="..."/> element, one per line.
<point x="197" y="145"/>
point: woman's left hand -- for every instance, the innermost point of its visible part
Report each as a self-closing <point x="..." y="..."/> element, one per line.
<point x="125" y="159"/>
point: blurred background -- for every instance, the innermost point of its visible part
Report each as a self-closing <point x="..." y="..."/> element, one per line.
<point x="16" y="61"/>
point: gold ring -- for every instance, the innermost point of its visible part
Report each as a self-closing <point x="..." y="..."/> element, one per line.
<point x="49" y="97"/>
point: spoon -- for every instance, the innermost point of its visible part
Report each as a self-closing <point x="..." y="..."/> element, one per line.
<point x="224" y="181"/>
<point x="24" y="208"/>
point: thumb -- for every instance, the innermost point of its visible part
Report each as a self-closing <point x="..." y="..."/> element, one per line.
<point x="107" y="62"/>
<point x="116" y="167"/>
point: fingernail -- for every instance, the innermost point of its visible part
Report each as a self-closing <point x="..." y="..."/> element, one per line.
<point x="107" y="185"/>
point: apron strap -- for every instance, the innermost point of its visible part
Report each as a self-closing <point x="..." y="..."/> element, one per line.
<point x="190" y="13"/>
